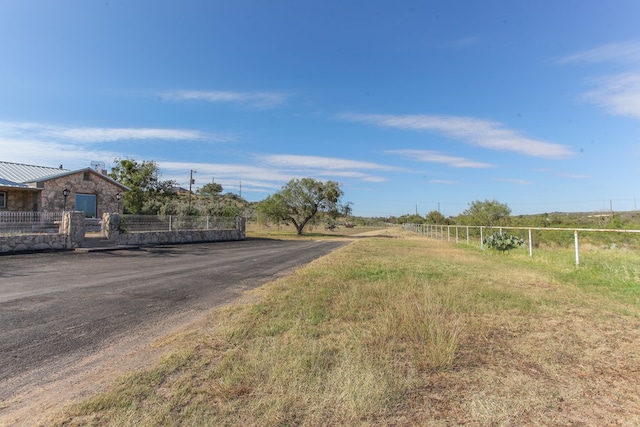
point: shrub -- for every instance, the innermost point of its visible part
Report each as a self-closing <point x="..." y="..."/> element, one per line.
<point x="502" y="242"/>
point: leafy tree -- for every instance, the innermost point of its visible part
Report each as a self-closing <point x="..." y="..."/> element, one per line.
<point x="435" y="217"/>
<point x="211" y="190"/>
<point x="300" y="200"/>
<point x="488" y="212"/>
<point x="410" y="219"/>
<point x="147" y="193"/>
<point x="346" y="209"/>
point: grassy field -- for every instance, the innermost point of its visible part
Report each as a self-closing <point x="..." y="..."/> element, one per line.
<point x="397" y="330"/>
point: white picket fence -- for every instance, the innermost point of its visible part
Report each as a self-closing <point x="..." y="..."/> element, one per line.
<point x="445" y="232"/>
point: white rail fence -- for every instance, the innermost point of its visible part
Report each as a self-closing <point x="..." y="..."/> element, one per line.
<point x="444" y="232"/>
<point x="29" y="222"/>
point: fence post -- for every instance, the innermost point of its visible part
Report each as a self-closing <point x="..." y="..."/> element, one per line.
<point x="530" y="244"/>
<point x="575" y="238"/>
<point x="481" y="244"/>
<point x="467" y="234"/>
<point x="456" y="234"/>
<point x="170" y="223"/>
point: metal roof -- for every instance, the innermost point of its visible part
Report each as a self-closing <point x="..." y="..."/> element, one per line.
<point x="11" y="184"/>
<point x="17" y="175"/>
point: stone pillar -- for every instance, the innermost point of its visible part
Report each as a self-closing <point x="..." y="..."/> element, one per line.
<point x="72" y="227"/>
<point x="111" y="225"/>
<point x="241" y="225"/>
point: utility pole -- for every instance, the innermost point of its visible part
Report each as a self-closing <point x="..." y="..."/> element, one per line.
<point x="241" y="189"/>
<point x="191" y="182"/>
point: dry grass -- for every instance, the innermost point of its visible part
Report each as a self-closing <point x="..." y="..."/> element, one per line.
<point x="399" y="332"/>
<point x="312" y="231"/>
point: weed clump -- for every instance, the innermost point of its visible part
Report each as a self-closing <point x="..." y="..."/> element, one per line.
<point x="502" y="242"/>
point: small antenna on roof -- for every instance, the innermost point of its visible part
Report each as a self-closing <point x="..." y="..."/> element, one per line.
<point x="97" y="165"/>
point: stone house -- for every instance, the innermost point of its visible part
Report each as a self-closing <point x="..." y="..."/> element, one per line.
<point x="42" y="189"/>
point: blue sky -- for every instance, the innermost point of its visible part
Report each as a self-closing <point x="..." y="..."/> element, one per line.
<point x="410" y="105"/>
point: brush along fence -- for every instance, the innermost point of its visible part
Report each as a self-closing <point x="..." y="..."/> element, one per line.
<point x="145" y="223"/>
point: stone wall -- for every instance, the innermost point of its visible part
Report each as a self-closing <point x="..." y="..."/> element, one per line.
<point x="177" y="237"/>
<point x="31" y="242"/>
<point x="72" y="233"/>
<point x="70" y="236"/>
<point x="111" y="230"/>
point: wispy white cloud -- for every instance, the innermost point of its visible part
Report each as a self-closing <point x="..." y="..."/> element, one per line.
<point x="617" y="94"/>
<point x="260" y="100"/>
<point x="329" y="167"/>
<point x="621" y="52"/>
<point x="226" y="171"/>
<point x="127" y="134"/>
<point x="94" y="134"/>
<point x="481" y="133"/>
<point x="42" y="144"/>
<point x="436" y="157"/>
<point x="229" y="175"/>
<point x="318" y="162"/>
<point x="51" y="153"/>
<point x="271" y="171"/>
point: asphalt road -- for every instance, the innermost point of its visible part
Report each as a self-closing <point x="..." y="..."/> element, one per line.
<point x="58" y="308"/>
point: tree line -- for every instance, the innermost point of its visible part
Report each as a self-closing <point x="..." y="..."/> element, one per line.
<point x="305" y="201"/>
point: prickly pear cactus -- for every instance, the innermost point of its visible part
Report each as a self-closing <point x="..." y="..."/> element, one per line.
<point x="502" y="242"/>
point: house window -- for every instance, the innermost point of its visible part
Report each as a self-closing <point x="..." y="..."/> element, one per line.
<point x="3" y="200"/>
<point x="87" y="204"/>
<point x="86" y="176"/>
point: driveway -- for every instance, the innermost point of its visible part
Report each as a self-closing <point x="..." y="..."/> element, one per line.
<point x="69" y="322"/>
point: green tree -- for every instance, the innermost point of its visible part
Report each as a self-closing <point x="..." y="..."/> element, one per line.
<point x="435" y="217"/>
<point x="211" y="190"/>
<point x="410" y="219"/>
<point x="346" y="209"/>
<point x="300" y="200"/>
<point x="488" y="212"/>
<point x="148" y="193"/>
